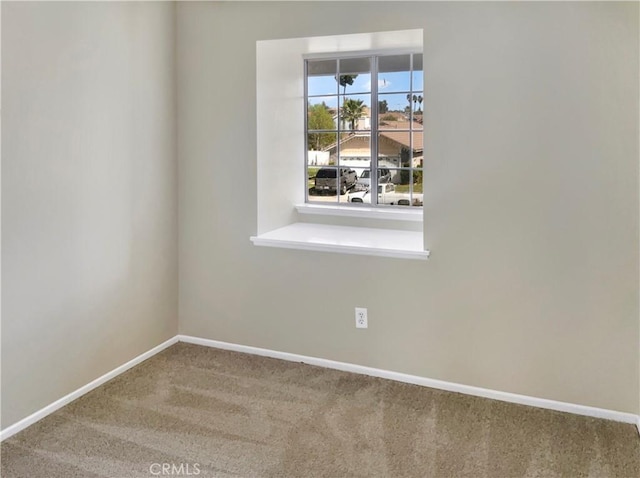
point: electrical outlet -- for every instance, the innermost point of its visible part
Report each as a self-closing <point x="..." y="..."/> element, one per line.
<point x="361" y="318"/>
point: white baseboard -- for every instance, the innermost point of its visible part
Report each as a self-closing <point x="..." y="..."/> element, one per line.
<point x="40" y="414"/>
<point x="346" y="367"/>
<point x="425" y="382"/>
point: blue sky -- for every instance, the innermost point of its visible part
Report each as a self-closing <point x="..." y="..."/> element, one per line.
<point x="388" y="83"/>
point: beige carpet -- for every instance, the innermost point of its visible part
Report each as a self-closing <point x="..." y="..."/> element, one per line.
<point x="211" y="413"/>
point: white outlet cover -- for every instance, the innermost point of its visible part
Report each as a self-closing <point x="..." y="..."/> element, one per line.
<point x="361" y="318"/>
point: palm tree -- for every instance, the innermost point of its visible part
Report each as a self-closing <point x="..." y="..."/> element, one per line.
<point x="346" y="80"/>
<point x="352" y="111"/>
<point x="420" y="102"/>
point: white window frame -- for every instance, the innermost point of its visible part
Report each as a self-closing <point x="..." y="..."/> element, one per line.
<point x="368" y="211"/>
<point x="282" y="214"/>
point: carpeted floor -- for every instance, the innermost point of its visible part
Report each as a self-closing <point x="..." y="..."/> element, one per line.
<point x="205" y="412"/>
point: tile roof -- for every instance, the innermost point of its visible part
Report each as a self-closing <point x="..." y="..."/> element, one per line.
<point x="390" y="131"/>
<point x="402" y="137"/>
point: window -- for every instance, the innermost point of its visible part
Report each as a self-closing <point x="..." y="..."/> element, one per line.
<point x="364" y="130"/>
<point x="287" y="216"/>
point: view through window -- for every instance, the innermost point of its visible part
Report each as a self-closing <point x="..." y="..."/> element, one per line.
<point x="364" y="130"/>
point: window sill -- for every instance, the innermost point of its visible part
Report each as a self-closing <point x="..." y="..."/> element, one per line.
<point x="403" y="213"/>
<point x="346" y="240"/>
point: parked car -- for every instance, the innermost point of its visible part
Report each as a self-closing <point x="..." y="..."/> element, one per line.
<point x="326" y="179"/>
<point x="364" y="181"/>
<point x="386" y="195"/>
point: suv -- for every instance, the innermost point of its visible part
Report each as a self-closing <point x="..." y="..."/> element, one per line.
<point x="326" y="179"/>
<point x="364" y="182"/>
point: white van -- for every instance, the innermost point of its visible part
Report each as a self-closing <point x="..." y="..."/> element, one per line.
<point x="364" y="181"/>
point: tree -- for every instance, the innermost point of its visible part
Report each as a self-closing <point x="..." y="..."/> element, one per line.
<point x="347" y="80"/>
<point x="416" y="99"/>
<point x="383" y="107"/>
<point x="405" y="162"/>
<point x="352" y="111"/>
<point x="320" y="118"/>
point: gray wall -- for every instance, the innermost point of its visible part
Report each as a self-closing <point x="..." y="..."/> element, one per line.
<point x="531" y="201"/>
<point x="531" y="198"/>
<point x="89" y="193"/>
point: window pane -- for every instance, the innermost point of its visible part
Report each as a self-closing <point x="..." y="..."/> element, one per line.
<point x="394" y="176"/>
<point x="321" y="79"/>
<point x="355" y="75"/>
<point x="393" y="121"/>
<point x="348" y="178"/>
<point x="398" y="192"/>
<point x="394" y="110"/>
<point x="394" y="73"/>
<point x="328" y="102"/>
<point x="394" y="149"/>
<point x="355" y="157"/>
<point x="323" y="183"/>
<point x="311" y="179"/>
<point x="417" y="117"/>
<point x="355" y="112"/>
<point x="418" y="152"/>
<point x="321" y="116"/>
<point x="417" y="198"/>
<point x="418" y="74"/>
<point x="321" y="146"/>
<point x="322" y="67"/>
<point x="330" y="184"/>
<point x="401" y="178"/>
<point x="415" y="100"/>
<point x="355" y="152"/>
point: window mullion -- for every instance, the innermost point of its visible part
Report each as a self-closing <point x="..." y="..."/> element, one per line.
<point x="411" y="128"/>
<point x="339" y="128"/>
<point x="306" y="132"/>
<point x="373" y="146"/>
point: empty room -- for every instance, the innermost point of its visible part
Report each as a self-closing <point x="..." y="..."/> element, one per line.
<point x="320" y="239"/>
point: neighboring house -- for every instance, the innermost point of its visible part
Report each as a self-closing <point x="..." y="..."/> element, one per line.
<point x="394" y="148"/>
<point x="363" y="123"/>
